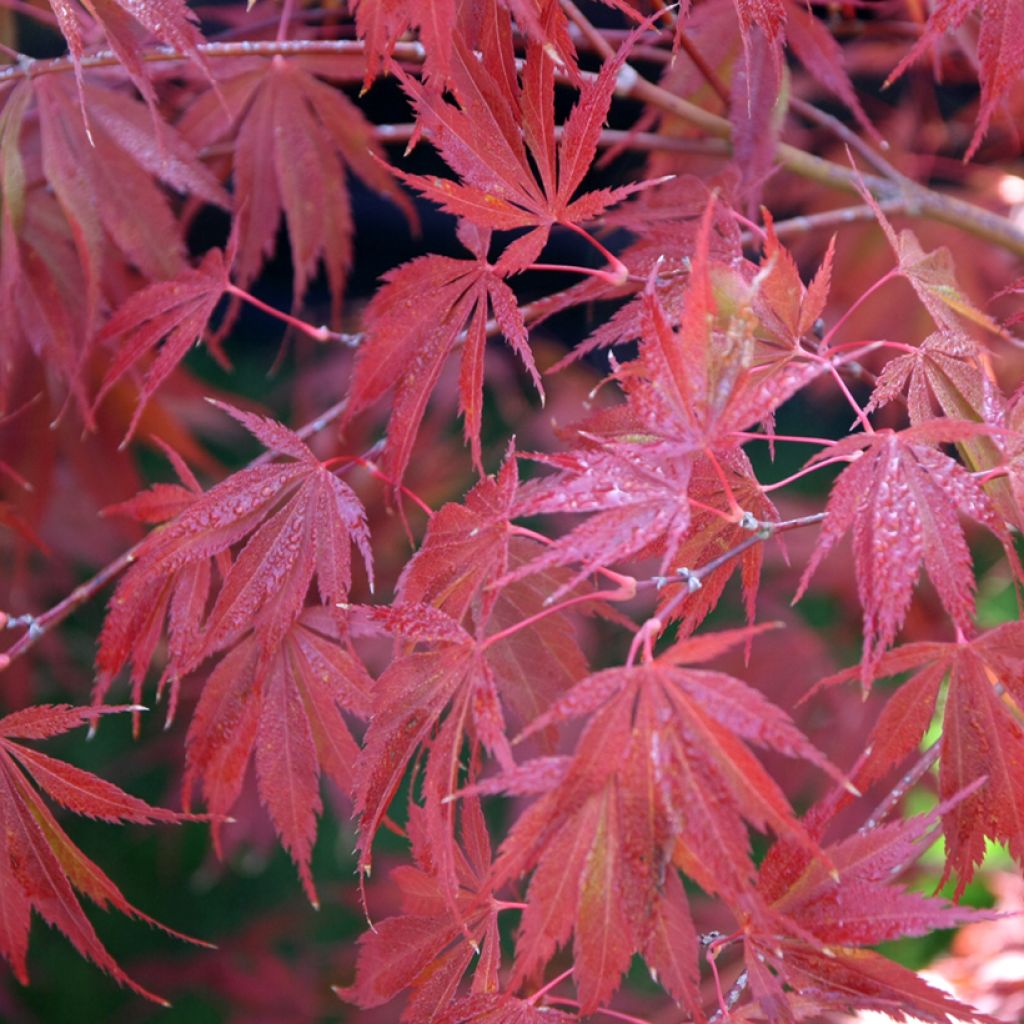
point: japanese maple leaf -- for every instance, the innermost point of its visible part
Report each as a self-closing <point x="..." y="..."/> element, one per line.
<point x="176" y="312"/>
<point x="286" y="714"/>
<point x="1000" y="55"/>
<point x="818" y="918"/>
<point x="423" y="311"/>
<point x="811" y="41"/>
<point x="171" y="21"/>
<point x="688" y="393"/>
<point x="40" y="867"/>
<point x="943" y="370"/>
<point x="947" y="370"/>
<point x="932" y="275"/>
<point x="300" y="520"/>
<point x="295" y="140"/>
<point x="103" y="179"/>
<point x="981" y="737"/>
<point x="660" y="773"/>
<point x="465" y="548"/>
<point x="430" y="946"/>
<point x="40" y="297"/>
<point x="455" y="683"/>
<point x="635" y="495"/>
<point x="499" y="130"/>
<point x="902" y="498"/>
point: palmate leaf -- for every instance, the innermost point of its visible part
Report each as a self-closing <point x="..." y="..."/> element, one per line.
<point x="902" y="498"/>
<point x="177" y="311"/>
<point x="40" y="868"/>
<point x="295" y="140"/>
<point x="284" y="713"/>
<point x="430" y="946"/>
<point x="981" y="737"/>
<point x="809" y="934"/>
<point x="71" y="238"/>
<point x="660" y="775"/>
<point x="689" y="392"/>
<point x="932" y="275"/>
<point x="423" y="311"/>
<point x="300" y="520"/>
<point x="634" y="496"/>
<point x="500" y="130"/>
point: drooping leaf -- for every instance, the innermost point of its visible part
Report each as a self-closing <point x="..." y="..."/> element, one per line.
<point x="176" y="310"/>
<point x="817" y="920"/>
<point x="41" y="869"/>
<point x="296" y="138"/>
<point x="981" y="737"/>
<point x="286" y="714"/>
<point x="170" y="21"/>
<point x="1000" y="50"/>
<point x="102" y="180"/>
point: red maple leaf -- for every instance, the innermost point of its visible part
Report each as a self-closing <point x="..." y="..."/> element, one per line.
<point x="423" y="311"/>
<point x="1000" y="54"/>
<point x="499" y="137"/>
<point x="175" y="312"/>
<point x="40" y="867"/>
<point x="295" y="140"/>
<point x="981" y="737"/>
<point x="300" y="520"/>
<point x="102" y="179"/>
<point x="902" y="499"/>
<point x="284" y="711"/>
<point x="818" y="915"/>
<point x="430" y="946"/>
<point x="660" y="775"/>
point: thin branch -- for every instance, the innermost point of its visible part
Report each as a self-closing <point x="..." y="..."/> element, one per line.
<point x="39" y="626"/>
<point x="851" y="138"/>
<point x="212" y="51"/>
<point x="693" y="579"/>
